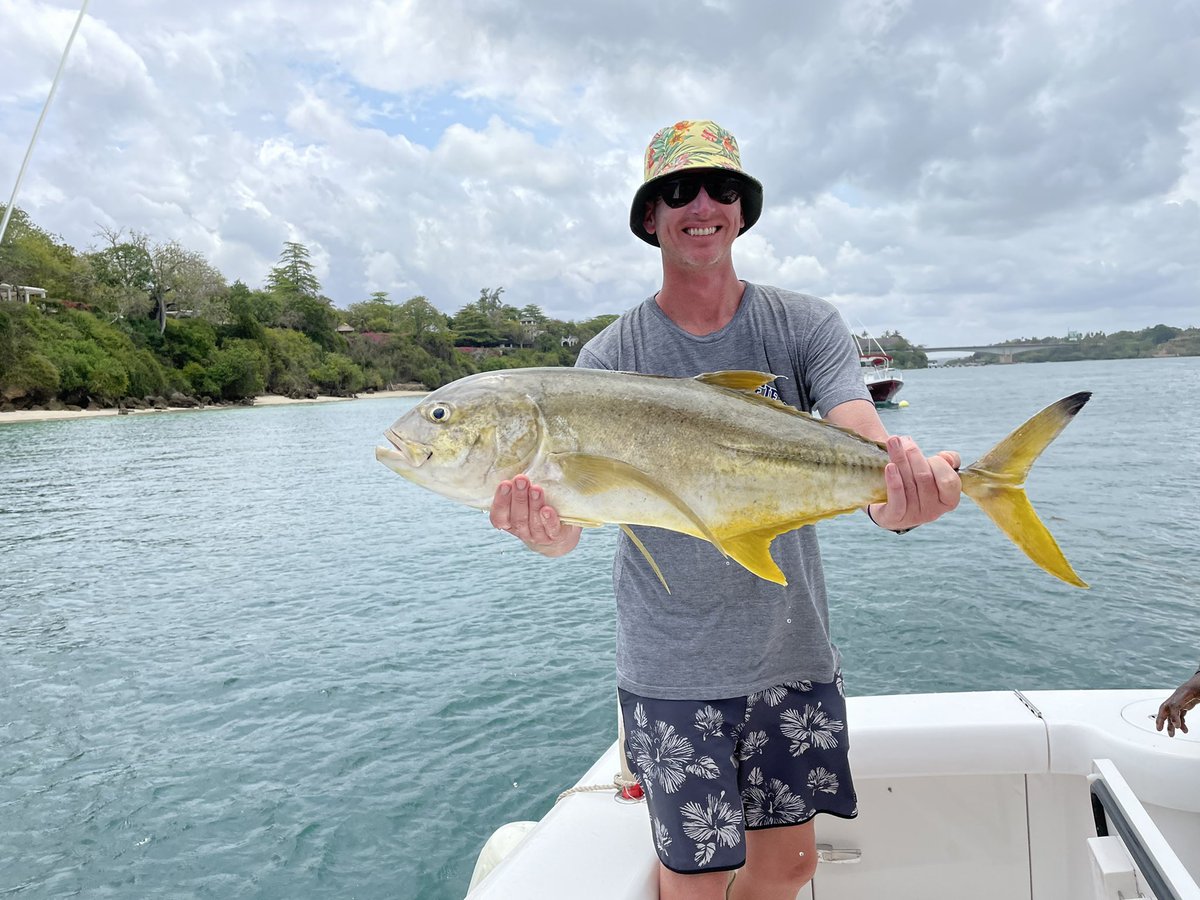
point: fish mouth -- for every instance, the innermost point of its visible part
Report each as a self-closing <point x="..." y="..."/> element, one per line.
<point x="411" y="453"/>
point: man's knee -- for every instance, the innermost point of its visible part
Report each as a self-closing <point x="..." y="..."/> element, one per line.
<point x="783" y="868"/>
<point x="802" y="868"/>
<point x="784" y="877"/>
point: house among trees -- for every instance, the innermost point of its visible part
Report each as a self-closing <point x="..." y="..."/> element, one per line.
<point x="11" y="292"/>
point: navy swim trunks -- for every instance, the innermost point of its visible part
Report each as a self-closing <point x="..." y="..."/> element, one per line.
<point x="713" y="769"/>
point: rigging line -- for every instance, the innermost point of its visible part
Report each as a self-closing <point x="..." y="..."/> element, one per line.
<point x="37" y="128"/>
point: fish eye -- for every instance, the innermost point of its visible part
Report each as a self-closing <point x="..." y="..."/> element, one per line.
<point x="439" y="413"/>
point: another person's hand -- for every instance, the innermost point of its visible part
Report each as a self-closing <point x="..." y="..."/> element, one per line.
<point x="919" y="488"/>
<point x="519" y="507"/>
<point x="1175" y="707"/>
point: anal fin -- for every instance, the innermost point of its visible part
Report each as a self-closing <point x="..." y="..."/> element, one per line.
<point x="752" y="549"/>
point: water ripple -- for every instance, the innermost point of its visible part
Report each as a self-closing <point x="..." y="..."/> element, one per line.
<point x="241" y="659"/>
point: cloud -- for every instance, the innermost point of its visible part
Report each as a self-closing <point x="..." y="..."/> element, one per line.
<point x="954" y="171"/>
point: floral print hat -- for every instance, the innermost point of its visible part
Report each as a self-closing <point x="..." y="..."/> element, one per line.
<point x="692" y="145"/>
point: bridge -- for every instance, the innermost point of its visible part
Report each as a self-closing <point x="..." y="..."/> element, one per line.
<point x="1006" y="352"/>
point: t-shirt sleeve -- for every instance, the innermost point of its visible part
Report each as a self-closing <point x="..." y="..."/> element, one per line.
<point x="588" y="359"/>
<point x="833" y="370"/>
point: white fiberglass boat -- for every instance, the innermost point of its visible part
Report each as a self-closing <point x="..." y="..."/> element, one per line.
<point x="883" y="380"/>
<point x="1043" y="795"/>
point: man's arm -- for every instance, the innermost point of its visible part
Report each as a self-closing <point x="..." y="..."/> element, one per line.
<point x="519" y="507"/>
<point x="919" y="488"/>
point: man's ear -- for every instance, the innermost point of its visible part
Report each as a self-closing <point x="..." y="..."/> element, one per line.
<point x="648" y="218"/>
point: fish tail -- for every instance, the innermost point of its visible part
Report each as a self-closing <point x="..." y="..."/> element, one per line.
<point x="996" y="483"/>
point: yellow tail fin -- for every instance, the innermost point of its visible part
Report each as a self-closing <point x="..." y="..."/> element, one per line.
<point x="996" y="483"/>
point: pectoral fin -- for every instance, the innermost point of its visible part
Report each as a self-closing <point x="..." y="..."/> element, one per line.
<point x="590" y="474"/>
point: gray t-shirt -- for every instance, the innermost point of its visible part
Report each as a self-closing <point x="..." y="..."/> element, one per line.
<point x="723" y="632"/>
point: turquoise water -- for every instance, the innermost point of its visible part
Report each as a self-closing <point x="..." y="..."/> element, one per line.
<point x="239" y="658"/>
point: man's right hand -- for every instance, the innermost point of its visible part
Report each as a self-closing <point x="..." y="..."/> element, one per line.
<point x="519" y="508"/>
<point x="1174" y="709"/>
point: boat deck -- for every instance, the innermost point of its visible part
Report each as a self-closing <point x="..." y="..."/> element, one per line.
<point x="969" y="795"/>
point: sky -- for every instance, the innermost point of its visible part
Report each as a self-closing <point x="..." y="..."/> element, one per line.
<point x="960" y="172"/>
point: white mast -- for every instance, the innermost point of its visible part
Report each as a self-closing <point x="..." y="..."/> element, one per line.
<point x="37" y="128"/>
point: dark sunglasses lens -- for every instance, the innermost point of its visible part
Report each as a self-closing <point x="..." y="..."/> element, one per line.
<point x="724" y="190"/>
<point x="679" y="192"/>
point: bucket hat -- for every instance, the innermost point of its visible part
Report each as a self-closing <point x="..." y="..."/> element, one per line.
<point x="686" y="146"/>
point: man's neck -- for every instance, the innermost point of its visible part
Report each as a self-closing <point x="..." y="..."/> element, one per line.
<point x="700" y="303"/>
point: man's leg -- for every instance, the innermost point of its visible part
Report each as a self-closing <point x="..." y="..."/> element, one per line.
<point x="682" y="753"/>
<point x="779" y="862"/>
<point x="702" y="886"/>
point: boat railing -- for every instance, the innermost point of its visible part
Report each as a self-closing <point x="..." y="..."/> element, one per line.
<point x="1117" y="809"/>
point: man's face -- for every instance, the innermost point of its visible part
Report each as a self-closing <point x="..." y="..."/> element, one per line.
<point x="700" y="233"/>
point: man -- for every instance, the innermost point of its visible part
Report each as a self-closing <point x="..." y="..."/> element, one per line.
<point x="1173" y="710"/>
<point x="729" y="685"/>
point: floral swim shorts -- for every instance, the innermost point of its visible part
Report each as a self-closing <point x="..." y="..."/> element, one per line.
<point x="713" y="769"/>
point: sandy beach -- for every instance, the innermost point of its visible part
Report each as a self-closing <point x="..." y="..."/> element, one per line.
<point x="46" y="415"/>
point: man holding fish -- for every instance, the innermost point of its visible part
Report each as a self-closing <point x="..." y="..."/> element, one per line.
<point x="731" y="693"/>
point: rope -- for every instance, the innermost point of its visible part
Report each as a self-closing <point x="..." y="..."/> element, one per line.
<point x="618" y="784"/>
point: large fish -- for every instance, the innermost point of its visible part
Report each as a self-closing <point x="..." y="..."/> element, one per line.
<point x="705" y="456"/>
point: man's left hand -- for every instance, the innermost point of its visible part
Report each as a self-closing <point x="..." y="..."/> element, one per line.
<point x="919" y="488"/>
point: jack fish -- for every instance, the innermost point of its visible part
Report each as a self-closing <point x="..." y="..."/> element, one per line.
<point x="704" y="456"/>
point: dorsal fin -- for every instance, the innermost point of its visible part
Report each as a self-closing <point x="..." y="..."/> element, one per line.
<point x="737" y="379"/>
<point x="746" y="382"/>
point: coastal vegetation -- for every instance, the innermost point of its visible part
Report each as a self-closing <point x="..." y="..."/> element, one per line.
<point x="1157" y="340"/>
<point x="136" y="322"/>
<point x="904" y="355"/>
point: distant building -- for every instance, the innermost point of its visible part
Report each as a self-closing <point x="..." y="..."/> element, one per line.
<point x="23" y="292"/>
<point x="532" y="327"/>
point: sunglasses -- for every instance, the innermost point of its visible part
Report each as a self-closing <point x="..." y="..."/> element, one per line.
<point x="679" y="192"/>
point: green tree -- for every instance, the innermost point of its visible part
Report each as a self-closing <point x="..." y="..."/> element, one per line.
<point x="294" y="276"/>
<point x="252" y="310"/>
<point x="185" y="282"/>
<point x="337" y="374"/>
<point x="417" y="317"/>
<point x="374" y="314"/>
<point x="1160" y="334"/>
<point x="238" y="370"/>
<point x="292" y="355"/>
<point x="31" y="256"/>
<point x="473" y="328"/>
<point x="303" y="308"/>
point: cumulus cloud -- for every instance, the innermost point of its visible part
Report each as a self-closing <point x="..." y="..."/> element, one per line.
<point x="959" y="172"/>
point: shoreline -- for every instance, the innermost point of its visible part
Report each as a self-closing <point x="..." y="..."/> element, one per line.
<point x="51" y="415"/>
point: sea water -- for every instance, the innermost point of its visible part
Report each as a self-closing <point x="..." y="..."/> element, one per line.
<point x="240" y="658"/>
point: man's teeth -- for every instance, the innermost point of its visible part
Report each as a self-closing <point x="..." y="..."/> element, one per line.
<point x="700" y="232"/>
